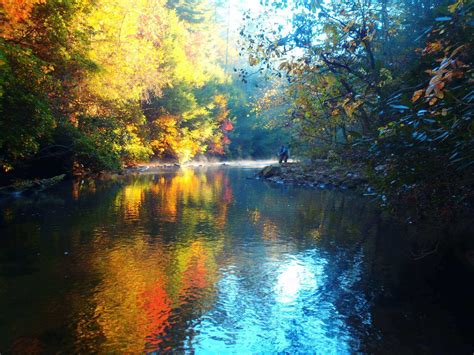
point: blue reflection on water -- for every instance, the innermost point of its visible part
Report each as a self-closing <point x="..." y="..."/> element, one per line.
<point x="280" y="308"/>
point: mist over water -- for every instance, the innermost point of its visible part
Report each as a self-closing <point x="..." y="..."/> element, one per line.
<point x="236" y="163"/>
<point x="206" y="162"/>
<point x="201" y="259"/>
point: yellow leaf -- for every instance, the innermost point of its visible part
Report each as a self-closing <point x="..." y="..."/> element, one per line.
<point x="417" y="94"/>
<point x="439" y="94"/>
<point x="456" y="51"/>
<point x="348" y="27"/>
<point x="454" y="6"/>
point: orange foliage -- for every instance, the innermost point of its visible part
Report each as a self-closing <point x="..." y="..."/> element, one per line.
<point x="13" y="12"/>
<point x="227" y="125"/>
<point x="450" y="68"/>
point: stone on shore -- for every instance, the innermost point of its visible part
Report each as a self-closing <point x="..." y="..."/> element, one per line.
<point x="270" y="171"/>
<point x="321" y="174"/>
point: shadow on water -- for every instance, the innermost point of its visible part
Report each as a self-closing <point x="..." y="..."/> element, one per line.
<point x="203" y="259"/>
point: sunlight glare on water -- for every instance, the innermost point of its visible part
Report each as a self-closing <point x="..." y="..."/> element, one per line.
<point x="292" y="279"/>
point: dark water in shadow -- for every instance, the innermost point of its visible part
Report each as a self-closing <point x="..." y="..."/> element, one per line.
<point x="206" y="260"/>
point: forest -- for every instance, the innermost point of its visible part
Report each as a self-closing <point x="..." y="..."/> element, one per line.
<point x="96" y="85"/>
<point x="88" y="86"/>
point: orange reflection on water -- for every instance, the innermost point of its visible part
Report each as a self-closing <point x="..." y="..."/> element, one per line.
<point x="187" y="187"/>
<point x="80" y="186"/>
<point x="157" y="307"/>
<point x="145" y="282"/>
<point x="183" y="186"/>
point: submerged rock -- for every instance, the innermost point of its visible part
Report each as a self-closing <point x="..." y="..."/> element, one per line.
<point x="31" y="186"/>
<point x="270" y="171"/>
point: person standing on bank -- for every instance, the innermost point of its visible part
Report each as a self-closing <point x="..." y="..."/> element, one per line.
<point x="283" y="154"/>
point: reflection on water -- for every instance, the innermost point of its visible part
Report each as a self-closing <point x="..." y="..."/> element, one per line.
<point x="198" y="260"/>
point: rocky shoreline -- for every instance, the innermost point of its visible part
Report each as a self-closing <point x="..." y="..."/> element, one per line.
<point x="320" y="174"/>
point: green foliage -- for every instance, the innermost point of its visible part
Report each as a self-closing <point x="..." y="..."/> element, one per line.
<point x="389" y="83"/>
<point x="259" y="124"/>
<point x="93" y="153"/>
<point x="191" y="11"/>
<point x="25" y="115"/>
<point x="425" y="154"/>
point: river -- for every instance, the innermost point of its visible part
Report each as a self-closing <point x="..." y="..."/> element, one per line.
<point x="204" y="259"/>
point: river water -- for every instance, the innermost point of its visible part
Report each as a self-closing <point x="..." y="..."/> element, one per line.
<point x="206" y="260"/>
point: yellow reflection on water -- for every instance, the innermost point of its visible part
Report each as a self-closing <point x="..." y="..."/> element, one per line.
<point x="196" y="266"/>
<point x="133" y="197"/>
<point x="145" y="281"/>
<point x="269" y="230"/>
<point x="255" y="215"/>
<point x="315" y="233"/>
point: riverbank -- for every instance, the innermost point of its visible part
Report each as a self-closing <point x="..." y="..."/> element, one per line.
<point x="455" y="240"/>
<point x="320" y="174"/>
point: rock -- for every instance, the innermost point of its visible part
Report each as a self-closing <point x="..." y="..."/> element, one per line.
<point x="358" y="181"/>
<point x="321" y="175"/>
<point x="350" y="185"/>
<point x="41" y="185"/>
<point x="270" y="171"/>
<point x="469" y="257"/>
<point x="31" y="186"/>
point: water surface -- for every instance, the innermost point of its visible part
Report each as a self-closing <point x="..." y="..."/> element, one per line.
<point x="206" y="260"/>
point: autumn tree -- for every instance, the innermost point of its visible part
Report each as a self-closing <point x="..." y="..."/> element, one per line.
<point x="77" y="78"/>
